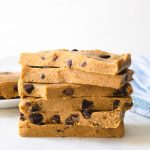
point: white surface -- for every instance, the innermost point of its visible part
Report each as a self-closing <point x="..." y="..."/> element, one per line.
<point x="114" y="25"/>
<point x="9" y="103"/>
<point x="137" y="136"/>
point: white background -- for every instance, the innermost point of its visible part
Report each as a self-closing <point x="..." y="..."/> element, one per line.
<point x="113" y="25"/>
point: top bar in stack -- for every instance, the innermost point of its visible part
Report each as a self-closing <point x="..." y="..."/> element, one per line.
<point x="95" y="61"/>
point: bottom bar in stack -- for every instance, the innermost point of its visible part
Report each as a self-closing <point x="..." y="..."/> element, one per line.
<point x="84" y="123"/>
<point x="28" y="129"/>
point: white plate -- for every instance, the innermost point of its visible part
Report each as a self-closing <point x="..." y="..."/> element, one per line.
<point x="9" y="103"/>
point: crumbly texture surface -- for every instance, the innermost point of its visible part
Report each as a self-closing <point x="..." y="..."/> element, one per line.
<point x="96" y="61"/>
<point x="104" y="119"/>
<point x="51" y="91"/>
<point x="66" y="75"/>
<point x="8" y="85"/>
<point x="27" y="129"/>
<point x="75" y="104"/>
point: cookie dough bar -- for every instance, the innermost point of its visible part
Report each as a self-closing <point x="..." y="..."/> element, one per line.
<point x="65" y="75"/>
<point x="49" y="91"/>
<point x="95" y="61"/>
<point x="27" y="129"/>
<point x="29" y="104"/>
<point x="104" y="119"/>
<point x="8" y="85"/>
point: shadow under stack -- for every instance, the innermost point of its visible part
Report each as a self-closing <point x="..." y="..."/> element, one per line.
<point x="74" y="93"/>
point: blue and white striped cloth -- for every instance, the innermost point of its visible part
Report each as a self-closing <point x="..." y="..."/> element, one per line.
<point x="141" y="85"/>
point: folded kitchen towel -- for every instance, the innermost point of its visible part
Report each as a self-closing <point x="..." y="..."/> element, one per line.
<point x="141" y="85"/>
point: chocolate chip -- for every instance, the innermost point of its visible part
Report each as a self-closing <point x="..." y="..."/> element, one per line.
<point x="68" y="121"/>
<point x="28" y="88"/>
<point x="55" y="119"/>
<point x="128" y="105"/>
<point x="69" y="63"/>
<point x="105" y="56"/>
<point x="42" y="57"/>
<point x="75" y="50"/>
<point x="42" y="76"/>
<point x="86" y="104"/>
<point x="36" y="118"/>
<point x="16" y="87"/>
<point x="2" y="98"/>
<point x="27" y="104"/>
<point x="116" y="104"/>
<point x="68" y="91"/>
<point x="55" y="57"/>
<point x="22" y="117"/>
<point x="118" y="92"/>
<point x="72" y="119"/>
<point x="83" y="64"/>
<point x="59" y="131"/>
<point x="35" y="108"/>
<point x="122" y="91"/>
<point x="86" y="113"/>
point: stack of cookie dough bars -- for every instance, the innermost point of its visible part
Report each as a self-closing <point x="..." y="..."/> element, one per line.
<point x="67" y="93"/>
<point x="9" y="85"/>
